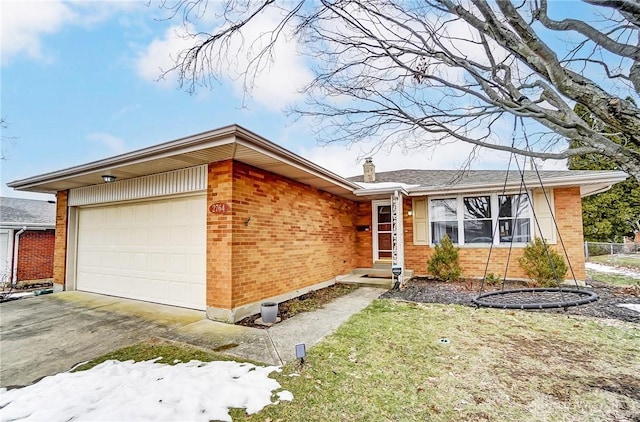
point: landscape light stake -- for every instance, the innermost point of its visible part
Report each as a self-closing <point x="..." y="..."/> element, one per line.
<point x="301" y="353"/>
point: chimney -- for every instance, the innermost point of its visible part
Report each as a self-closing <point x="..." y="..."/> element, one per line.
<point x="369" y="170"/>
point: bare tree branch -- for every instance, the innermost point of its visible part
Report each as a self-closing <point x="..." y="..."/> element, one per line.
<point x="419" y="74"/>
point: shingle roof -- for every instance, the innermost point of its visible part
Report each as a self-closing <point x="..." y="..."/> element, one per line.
<point x="17" y="212"/>
<point x="438" y="179"/>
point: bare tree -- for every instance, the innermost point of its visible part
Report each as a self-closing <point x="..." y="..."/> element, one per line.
<point x="419" y="73"/>
<point x="5" y="141"/>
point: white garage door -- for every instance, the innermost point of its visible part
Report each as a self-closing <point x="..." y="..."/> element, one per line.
<point x="152" y="251"/>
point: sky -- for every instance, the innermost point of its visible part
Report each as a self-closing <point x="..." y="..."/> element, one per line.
<point x="191" y="391"/>
<point x="80" y="81"/>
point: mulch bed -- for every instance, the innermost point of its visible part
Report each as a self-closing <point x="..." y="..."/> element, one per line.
<point x="424" y="290"/>
<point x="305" y="303"/>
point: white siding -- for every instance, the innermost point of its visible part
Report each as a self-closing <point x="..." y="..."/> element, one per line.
<point x="187" y="180"/>
<point x="6" y="254"/>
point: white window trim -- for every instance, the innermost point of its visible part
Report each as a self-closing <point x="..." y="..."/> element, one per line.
<point x="494" y="218"/>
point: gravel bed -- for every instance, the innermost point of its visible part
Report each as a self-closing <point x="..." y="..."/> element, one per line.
<point x="462" y="293"/>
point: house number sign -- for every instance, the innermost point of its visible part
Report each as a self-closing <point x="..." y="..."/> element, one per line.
<point x="219" y="208"/>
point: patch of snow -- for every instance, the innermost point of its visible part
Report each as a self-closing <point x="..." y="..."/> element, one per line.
<point x="19" y="294"/>
<point x="285" y="395"/>
<point x="113" y="390"/>
<point x="612" y="270"/>
<point x="632" y="306"/>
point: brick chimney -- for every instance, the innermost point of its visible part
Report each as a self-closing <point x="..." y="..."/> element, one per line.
<point x="369" y="170"/>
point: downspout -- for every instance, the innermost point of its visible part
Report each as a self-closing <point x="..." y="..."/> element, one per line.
<point x="16" y="245"/>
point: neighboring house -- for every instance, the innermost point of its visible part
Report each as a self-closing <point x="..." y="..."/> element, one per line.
<point x="224" y="220"/>
<point x="27" y="237"/>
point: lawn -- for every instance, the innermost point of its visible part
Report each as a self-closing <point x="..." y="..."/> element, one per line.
<point x="400" y="361"/>
<point x="613" y="279"/>
<point x="631" y="261"/>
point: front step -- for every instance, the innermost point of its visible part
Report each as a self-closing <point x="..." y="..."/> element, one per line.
<point x="382" y="264"/>
<point x="372" y="277"/>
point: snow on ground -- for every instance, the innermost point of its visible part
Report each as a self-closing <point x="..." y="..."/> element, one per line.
<point x="613" y="270"/>
<point x="20" y="294"/>
<point x="632" y="306"/>
<point x="616" y="270"/>
<point x="143" y="391"/>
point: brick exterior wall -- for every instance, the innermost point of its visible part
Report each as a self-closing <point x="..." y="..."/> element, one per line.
<point x="60" y="253"/>
<point x="568" y="214"/>
<point x="35" y="255"/>
<point x="284" y="235"/>
<point x="364" y="239"/>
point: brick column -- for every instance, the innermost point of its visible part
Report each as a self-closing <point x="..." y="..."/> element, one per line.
<point x="568" y="213"/>
<point x="60" y="253"/>
<point x="219" y="240"/>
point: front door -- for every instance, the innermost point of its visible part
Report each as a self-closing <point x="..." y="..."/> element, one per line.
<point x="382" y="245"/>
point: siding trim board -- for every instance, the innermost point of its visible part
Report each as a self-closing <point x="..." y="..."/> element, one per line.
<point x="192" y="179"/>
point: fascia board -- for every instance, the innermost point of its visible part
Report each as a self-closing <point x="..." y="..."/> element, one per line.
<point x="183" y="145"/>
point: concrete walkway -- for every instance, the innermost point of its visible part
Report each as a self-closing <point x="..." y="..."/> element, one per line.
<point x="44" y="335"/>
<point x="311" y="327"/>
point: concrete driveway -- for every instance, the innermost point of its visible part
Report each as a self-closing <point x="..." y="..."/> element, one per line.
<point x="44" y="335"/>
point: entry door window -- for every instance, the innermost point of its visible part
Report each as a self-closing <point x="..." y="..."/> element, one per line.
<point x="384" y="231"/>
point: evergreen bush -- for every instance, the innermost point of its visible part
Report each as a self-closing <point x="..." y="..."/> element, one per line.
<point x="543" y="265"/>
<point x="444" y="262"/>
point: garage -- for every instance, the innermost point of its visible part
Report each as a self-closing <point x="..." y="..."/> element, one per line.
<point x="152" y="250"/>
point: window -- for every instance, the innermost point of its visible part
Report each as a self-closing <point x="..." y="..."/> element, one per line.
<point x="514" y="223"/>
<point x="444" y="219"/>
<point x="478" y="216"/>
<point x="477" y="219"/>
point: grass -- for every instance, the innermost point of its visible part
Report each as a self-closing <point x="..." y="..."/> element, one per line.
<point x="170" y="352"/>
<point x="387" y="363"/>
<point x="632" y="261"/>
<point x="627" y="261"/>
<point x="614" y="279"/>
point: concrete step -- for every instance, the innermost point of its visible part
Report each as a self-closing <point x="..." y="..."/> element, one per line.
<point x="372" y="277"/>
<point x="382" y="264"/>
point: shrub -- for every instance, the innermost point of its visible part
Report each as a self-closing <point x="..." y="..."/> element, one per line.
<point x="444" y="261"/>
<point x="492" y="279"/>
<point x="543" y="265"/>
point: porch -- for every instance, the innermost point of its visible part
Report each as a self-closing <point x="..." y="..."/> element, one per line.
<point x="378" y="276"/>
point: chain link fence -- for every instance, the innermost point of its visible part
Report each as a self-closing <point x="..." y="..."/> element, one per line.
<point x="592" y="249"/>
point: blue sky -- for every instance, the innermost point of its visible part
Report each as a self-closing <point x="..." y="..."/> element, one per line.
<point x="79" y="83"/>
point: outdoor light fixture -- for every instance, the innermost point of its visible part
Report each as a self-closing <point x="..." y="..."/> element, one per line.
<point x="107" y="178"/>
<point x="301" y="352"/>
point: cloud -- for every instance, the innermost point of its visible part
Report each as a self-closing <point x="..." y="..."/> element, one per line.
<point x="279" y="77"/>
<point x="114" y="144"/>
<point x="160" y="55"/>
<point x="23" y="24"/>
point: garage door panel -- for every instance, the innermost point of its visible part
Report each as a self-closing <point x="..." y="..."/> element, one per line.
<point x="153" y="251"/>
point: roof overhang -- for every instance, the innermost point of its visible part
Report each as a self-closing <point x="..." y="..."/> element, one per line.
<point x="590" y="184"/>
<point x="227" y="143"/>
<point x="29" y="226"/>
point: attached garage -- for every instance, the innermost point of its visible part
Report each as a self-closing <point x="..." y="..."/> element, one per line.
<point x="152" y="251"/>
<point x="143" y="238"/>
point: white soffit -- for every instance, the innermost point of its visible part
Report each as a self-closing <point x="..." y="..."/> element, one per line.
<point x="232" y="142"/>
<point x="193" y="179"/>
